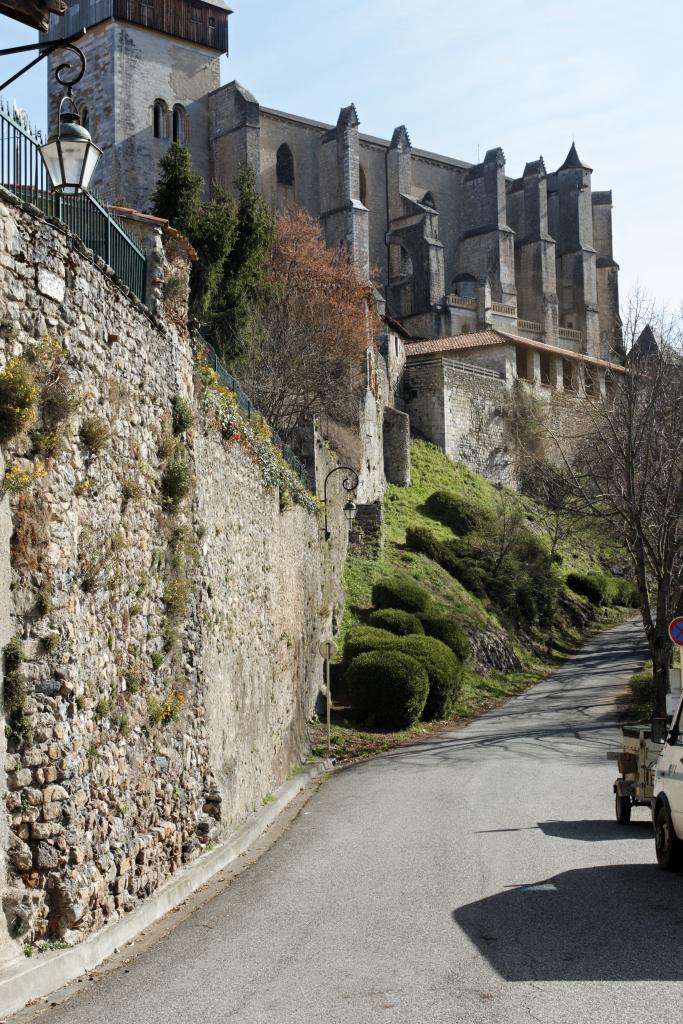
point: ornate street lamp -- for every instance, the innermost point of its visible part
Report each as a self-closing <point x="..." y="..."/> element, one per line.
<point x="70" y="155"/>
<point x="350" y="484"/>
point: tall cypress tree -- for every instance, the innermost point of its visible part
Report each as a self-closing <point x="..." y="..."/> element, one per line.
<point x="211" y="227"/>
<point x="244" y="284"/>
<point x="179" y="193"/>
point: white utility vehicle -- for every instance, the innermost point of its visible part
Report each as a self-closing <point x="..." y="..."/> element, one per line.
<point x="667" y="797"/>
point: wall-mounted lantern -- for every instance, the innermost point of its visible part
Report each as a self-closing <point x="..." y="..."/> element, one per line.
<point x="350" y="484"/>
<point x="70" y="156"/>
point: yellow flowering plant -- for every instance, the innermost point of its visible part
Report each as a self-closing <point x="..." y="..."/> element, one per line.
<point x="18" y="398"/>
<point x="18" y="479"/>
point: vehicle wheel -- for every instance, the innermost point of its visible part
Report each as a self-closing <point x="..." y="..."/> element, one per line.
<point x="622" y="806"/>
<point x="668" y="846"/>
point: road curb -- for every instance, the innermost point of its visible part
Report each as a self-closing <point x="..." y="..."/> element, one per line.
<point x="25" y="979"/>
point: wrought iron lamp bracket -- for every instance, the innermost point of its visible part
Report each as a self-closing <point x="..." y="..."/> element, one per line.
<point x="349" y="483"/>
<point x="45" y="49"/>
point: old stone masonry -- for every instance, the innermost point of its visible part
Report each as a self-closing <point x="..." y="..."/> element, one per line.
<point x="515" y="277"/>
<point x="162" y="597"/>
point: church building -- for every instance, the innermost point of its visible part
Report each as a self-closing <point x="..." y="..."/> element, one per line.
<point x="464" y="251"/>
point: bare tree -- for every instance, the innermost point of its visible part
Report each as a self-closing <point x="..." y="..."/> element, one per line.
<point x="624" y="467"/>
<point x="313" y="331"/>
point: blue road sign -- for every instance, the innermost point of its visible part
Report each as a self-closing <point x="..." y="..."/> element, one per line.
<point x="676" y="631"/>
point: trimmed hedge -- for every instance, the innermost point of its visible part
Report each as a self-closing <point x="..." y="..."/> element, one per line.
<point x="592" y="585"/>
<point x="458" y="511"/>
<point x="626" y="593"/>
<point x="444" y="628"/>
<point x="390" y="686"/>
<point x="443" y="669"/>
<point x="455" y="556"/>
<point x="396" y="621"/>
<point x="401" y="593"/>
<point x="366" y="638"/>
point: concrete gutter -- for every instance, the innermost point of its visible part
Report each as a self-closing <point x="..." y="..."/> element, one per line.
<point x="28" y="978"/>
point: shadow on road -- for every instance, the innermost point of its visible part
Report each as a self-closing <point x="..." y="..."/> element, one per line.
<point x="616" y="923"/>
<point x="598" y="831"/>
<point x="586" y="830"/>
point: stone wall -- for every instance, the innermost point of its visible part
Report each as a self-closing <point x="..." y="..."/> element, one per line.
<point x="170" y="652"/>
<point x="476" y="432"/>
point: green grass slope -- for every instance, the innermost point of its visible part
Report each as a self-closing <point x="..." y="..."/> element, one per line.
<point x="538" y="648"/>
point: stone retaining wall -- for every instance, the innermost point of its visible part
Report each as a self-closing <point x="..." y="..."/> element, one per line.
<point x="171" y="657"/>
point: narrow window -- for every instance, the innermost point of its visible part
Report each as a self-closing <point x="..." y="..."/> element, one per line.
<point x="521" y="357"/>
<point x="363" y="183"/>
<point x="545" y="368"/>
<point x="179" y="133"/>
<point x="159" y="119"/>
<point x="285" y="165"/>
<point x="196" y="14"/>
<point x="85" y="117"/>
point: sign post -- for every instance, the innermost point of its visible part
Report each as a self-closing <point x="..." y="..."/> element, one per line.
<point x="676" y="637"/>
<point x="328" y="649"/>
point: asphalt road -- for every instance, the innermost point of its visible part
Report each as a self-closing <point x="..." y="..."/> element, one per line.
<point x="477" y="877"/>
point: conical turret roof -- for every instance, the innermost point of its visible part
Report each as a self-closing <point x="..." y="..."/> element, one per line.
<point x="574" y="161"/>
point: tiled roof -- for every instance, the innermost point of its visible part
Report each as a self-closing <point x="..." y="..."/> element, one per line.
<point x="491" y="337"/>
<point x="480" y="339"/>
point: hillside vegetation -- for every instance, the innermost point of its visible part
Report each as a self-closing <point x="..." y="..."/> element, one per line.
<point x="485" y="589"/>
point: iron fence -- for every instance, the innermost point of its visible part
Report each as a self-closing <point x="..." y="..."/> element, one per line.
<point x="23" y="173"/>
<point x="244" y="402"/>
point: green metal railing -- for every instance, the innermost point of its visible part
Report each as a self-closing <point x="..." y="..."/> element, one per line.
<point x="246" y="405"/>
<point x="22" y="172"/>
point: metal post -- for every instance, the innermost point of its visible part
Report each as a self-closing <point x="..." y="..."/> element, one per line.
<point x="329" y="704"/>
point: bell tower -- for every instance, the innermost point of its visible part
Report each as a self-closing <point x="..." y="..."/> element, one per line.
<point x="150" y="69"/>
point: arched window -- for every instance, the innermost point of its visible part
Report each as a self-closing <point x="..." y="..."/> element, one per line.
<point x="428" y="200"/>
<point x="285" y="165"/>
<point x="464" y="285"/>
<point x="160" y="119"/>
<point x="363" y="183"/>
<point x="179" y="124"/>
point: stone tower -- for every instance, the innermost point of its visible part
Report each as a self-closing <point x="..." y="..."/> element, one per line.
<point x="151" y="68"/>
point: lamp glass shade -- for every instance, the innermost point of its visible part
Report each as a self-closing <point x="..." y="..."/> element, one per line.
<point x="70" y="156"/>
<point x="350" y="510"/>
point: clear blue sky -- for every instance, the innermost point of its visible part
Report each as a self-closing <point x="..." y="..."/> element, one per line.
<point x="528" y="77"/>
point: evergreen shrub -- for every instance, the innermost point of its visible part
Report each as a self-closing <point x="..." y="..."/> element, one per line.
<point x="402" y="593"/>
<point x="443" y="670"/>
<point x="396" y="621"/>
<point x="625" y="593"/>
<point x="458" y="511"/>
<point x="390" y="686"/>
<point x="592" y="585"/>
<point x="456" y="556"/>
<point x="366" y="638"/>
<point x="441" y="625"/>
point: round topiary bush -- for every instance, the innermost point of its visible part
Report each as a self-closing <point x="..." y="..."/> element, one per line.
<point x="360" y="639"/>
<point x="440" y="625"/>
<point x="390" y="686"/>
<point x="443" y="670"/>
<point x="458" y="511"/>
<point x="402" y="593"/>
<point x="592" y="585"/>
<point x="396" y="621"/>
